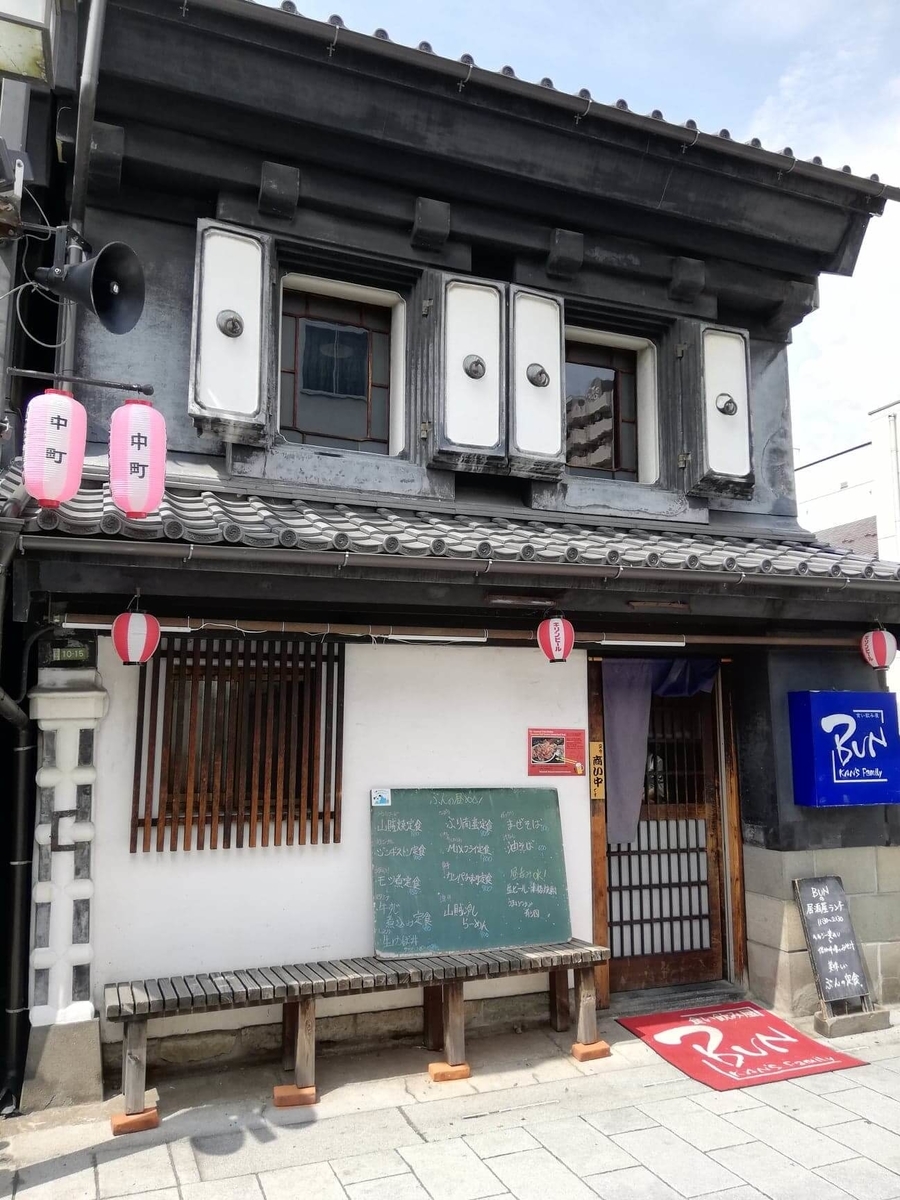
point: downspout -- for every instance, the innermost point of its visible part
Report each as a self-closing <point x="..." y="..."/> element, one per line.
<point x="87" y="104"/>
<point x="15" y="1016"/>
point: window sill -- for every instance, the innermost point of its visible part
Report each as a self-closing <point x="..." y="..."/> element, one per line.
<point x="617" y="498"/>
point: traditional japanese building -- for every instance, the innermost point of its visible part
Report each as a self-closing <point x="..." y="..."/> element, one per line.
<point x="440" y="352"/>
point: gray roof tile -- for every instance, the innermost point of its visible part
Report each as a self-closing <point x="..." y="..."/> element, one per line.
<point x="206" y="516"/>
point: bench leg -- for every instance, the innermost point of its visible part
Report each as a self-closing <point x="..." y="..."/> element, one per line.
<point x="586" y="1045"/>
<point x="303" y="1089"/>
<point x="453" y="1013"/>
<point x="433" y="1017"/>
<point x="134" y="1082"/>
<point x="289" y="1016"/>
<point x="560" y="1017"/>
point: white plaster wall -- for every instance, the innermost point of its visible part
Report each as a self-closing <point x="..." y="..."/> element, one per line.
<point x="415" y="716"/>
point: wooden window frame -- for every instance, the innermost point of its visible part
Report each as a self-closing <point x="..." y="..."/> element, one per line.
<point x="374" y="320"/>
<point x="294" y="284"/>
<point x="592" y="354"/>
<point x="239" y="741"/>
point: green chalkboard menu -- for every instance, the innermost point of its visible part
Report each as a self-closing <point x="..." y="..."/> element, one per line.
<point x="467" y="869"/>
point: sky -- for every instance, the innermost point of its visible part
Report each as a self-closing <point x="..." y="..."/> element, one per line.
<point x="820" y="76"/>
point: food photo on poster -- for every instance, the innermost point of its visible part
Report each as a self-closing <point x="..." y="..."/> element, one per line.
<point x="556" y="752"/>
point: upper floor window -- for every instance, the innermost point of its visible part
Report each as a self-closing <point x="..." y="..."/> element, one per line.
<point x="342" y="366"/>
<point x="601" y="410"/>
<point x="611" y="406"/>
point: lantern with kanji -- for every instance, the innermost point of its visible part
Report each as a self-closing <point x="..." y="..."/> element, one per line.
<point x="137" y="457"/>
<point x="135" y="636"/>
<point x="53" y="454"/>
<point x="879" y="648"/>
<point x="556" y="637"/>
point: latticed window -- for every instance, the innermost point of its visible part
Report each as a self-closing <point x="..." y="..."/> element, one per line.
<point x="239" y="743"/>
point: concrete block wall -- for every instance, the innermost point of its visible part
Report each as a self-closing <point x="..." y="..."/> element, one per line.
<point x="779" y="967"/>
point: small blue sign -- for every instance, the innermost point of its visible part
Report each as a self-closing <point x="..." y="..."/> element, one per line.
<point x="845" y="748"/>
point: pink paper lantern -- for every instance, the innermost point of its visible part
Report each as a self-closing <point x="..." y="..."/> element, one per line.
<point x="135" y="637"/>
<point x="55" y="436"/>
<point x="879" y="648"/>
<point x="556" y="637"/>
<point x="137" y="457"/>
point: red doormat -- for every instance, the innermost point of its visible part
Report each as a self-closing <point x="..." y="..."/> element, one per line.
<point x="734" y="1045"/>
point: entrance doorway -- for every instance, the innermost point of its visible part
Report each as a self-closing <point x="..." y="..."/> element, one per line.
<point x="665" y="893"/>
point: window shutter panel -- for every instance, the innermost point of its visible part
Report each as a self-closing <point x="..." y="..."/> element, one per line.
<point x="726" y="455"/>
<point x="470" y="404"/>
<point x="537" y="384"/>
<point x="233" y="333"/>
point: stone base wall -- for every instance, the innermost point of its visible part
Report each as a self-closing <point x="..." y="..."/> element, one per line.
<point x="361" y="1031"/>
<point x="779" y="967"/>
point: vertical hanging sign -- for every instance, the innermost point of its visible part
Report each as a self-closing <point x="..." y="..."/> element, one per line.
<point x="598" y="771"/>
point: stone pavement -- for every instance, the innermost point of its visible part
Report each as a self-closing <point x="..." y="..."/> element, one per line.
<point x="530" y="1123"/>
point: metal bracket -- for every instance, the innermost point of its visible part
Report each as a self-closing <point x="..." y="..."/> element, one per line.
<point x="143" y="389"/>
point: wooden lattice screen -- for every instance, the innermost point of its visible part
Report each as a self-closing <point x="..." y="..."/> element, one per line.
<point x="239" y="742"/>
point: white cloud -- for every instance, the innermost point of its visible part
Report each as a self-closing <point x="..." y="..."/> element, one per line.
<point x="835" y="101"/>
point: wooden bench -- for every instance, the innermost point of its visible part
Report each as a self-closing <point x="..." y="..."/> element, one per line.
<point x="296" y="987"/>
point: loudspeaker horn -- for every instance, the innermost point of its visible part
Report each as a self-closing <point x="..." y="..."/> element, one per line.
<point x="111" y="285"/>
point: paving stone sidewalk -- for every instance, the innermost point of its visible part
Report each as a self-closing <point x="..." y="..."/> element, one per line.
<point x="530" y="1123"/>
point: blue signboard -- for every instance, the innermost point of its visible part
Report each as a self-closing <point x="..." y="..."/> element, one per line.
<point x="845" y="748"/>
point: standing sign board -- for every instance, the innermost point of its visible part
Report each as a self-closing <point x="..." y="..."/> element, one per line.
<point x="845" y="748"/>
<point x="836" y="957"/>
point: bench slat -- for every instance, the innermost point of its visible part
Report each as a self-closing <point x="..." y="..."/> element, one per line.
<point x="252" y="990"/>
<point x="375" y="967"/>
<point x="198" y="996"/>
<point x="226" y="999"/>
<point x="289" y="982"/>
<point x="111" y="1002"/>
<point x="366" y="975"/>
<point x="210" y="991"/>
<point x="141" y="999"/>
<point x="238" y="991"/>
<point x="319" y="984"/>
<point x="266" y="987"/>
<point x="157" y="1004"/>
<point x="183" y="993"/>
<point x="126" y="999"/>
<point x="170" y="999"/>
<point x="279" y="990"/>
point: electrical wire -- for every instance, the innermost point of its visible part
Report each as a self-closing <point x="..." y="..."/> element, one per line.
<point x="26" y="330"/>
<point x="15" y="289"/>
<point x="37" y="205"/>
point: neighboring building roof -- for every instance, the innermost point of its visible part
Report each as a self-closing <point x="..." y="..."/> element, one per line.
<point x="859" y="536"/>
<point x="206" y="516"/>
<point x="334" y="32"/>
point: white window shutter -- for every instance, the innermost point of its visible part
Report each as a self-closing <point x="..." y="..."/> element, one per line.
<point x="232" y="334"/>
<point x="537" y="384"/>
<point x="727" y="458"/>
<point x="471" y="415"/>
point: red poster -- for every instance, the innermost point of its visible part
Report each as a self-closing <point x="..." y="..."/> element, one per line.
<point x="734" y="1045"/>
<point x="556" y="752"/>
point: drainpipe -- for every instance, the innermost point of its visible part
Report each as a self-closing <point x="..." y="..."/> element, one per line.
<point x="87" y="104"/>
<point x="18" y="907"/>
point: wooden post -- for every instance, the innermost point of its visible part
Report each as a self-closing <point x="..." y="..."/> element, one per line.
<point x="453" y="1015"/>
<point x="305" y="1057"/>
<point x="433" y="1017"/>
<point x="599" y="869"/>
<point x="134" y="1082"/>
<point x="560" y="1017"/>
<point x="290" y="1015"/>
<point x="134" y="1065"/>
<point x="586" y="1046"/>
<point x="454" y="1022"/>
<point x="303" y="1089"/>
<point x="733" y="833"/>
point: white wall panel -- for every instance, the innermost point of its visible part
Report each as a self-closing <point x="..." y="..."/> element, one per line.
<point x="473" y="408"/>
<point x="536" y="412"/>
<point x="724" y="376"/>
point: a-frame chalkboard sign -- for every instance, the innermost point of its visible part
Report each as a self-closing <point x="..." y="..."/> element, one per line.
<point x="837" y="961"/>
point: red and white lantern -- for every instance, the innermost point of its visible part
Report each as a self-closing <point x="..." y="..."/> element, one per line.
<point x="137" y="457"/>
<point x="135" y="637"/>
<point x="556" y="637"/>
<point x="55" y="436"/>
<point x="879" y="648"/>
